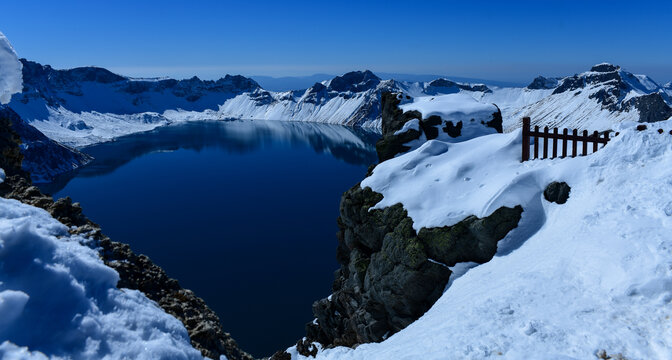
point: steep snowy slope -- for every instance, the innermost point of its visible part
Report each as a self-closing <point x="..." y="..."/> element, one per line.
<point x="589" y="277"/>
<point x="601" y="97"/>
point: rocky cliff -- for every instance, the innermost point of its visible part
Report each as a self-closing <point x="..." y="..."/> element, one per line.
<point x="391" y="274"/>
<point x="135" y="271"/>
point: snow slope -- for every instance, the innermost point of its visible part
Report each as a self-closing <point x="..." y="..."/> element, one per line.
<point x="58" y="299"/>
<point x="574" y="279"/>
<point x="10" y="71"/>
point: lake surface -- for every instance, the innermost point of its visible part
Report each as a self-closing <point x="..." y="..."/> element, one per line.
<point x="242" y="212"/>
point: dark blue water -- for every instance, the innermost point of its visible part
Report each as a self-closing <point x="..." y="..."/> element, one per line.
<point x="243" y="213"/>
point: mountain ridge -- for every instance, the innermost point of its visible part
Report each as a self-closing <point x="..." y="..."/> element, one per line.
<point x="84" y="106"/>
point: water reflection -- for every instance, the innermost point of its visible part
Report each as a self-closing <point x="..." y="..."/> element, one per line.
<point x="352" y="145"/>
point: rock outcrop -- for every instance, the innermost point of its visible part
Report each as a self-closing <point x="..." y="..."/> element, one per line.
<point x="541" y="82"/>
<point x="394" y="142"/>
<point x="390" y="275"/>
<point x="135" y="271"/>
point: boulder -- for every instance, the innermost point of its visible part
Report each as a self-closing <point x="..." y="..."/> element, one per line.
<point x="557" y="192"/>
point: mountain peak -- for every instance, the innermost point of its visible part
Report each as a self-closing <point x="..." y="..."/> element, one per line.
<point x="355" y="81"/>
<point x="541" y="82"/>
<point x="605" y="67"/>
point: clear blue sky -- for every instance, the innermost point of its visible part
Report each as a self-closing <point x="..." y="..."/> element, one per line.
<point x="498" y="40"/>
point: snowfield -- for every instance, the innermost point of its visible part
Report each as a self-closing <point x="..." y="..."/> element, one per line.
<point x="11" y="78"/>
<point x="592" y="274"/>
<point x="58" y="299"/>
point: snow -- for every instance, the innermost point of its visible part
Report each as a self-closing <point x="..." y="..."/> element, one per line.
<point x="592" y="274"/>
<point x="413" y="124"/>
<point x="58" y="299"/>
<point x="11" y="78"/>
<point x="451" y="107"/>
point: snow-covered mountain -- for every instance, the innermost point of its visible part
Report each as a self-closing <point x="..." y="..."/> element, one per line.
<point x="88" y="105"/>
<point x="598" y="99"/>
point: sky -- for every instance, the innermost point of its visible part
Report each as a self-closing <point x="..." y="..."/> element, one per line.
<point x="497" y="40"/>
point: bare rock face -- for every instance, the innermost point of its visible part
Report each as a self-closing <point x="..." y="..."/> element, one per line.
<point x="135" y="271"/>
<point x="651" y="107"/>
<point x="390" y="275"/>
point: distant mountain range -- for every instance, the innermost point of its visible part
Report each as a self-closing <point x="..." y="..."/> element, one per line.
<point x="88" y="105"/>
<point x="287" y="83"/>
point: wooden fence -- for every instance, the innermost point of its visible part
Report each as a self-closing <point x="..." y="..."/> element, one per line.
<point x="595" y="139"/>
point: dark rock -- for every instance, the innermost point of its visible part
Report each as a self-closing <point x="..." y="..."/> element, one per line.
<point x="355" y="81"/>
<point x="604" y="68"/>
<point x="393" y="119"/>
<point x="389" y="275"/>
<point x="557" y="192"/>
<point x="453" y="130"/>
<point x="306" y="348"/>
<point x="429" y="125"/>
<point x="641" y="127"/>
<point x="541" y="82"/>
<point x="445" y="86"/>
<point x="282" y="355"/>
<point x="472" y="239"/>
<point x="651" y="107"/>
<point x="496" y="122"/>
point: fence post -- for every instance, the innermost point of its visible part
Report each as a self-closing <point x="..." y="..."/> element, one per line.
<point x="564" y="142"/>
<point x="606" y="138"/>
<point x="575" y="133"/>
<point x="545" y="142"/>
<point x="536" y="141"/>
<point x="526" y="139"/>
<point x="555" y="143"/>
<point x="597" y="137"/>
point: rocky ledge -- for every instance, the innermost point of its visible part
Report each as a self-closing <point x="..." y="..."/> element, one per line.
<point x="135" y="271"/>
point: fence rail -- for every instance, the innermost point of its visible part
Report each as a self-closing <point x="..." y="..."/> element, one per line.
<point x="595" y="139"/>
